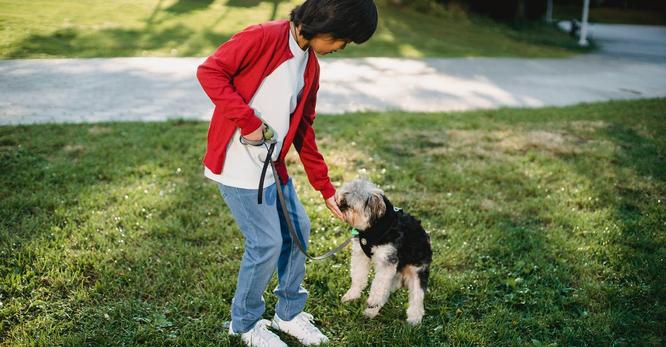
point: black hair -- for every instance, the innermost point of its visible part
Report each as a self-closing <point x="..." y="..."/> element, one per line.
<point x="354" y="20"/>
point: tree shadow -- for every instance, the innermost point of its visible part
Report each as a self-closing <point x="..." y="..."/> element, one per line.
<point x="117" y="42"/>
<point x="253" y="3"/>
<point x="558" y="263"/>
<point x="112" y="227"/>
<point x="150" y="20"/>
<point x="430" y="39"/>
<point x="113" y="42"/>
<point x="405" y="163"/>
<point x="121" y="233"/>
<point x="245" y="3"/>
<point x="636" y="248"/>
<point x="117" y="262"/>
<point x="185" y="6"/>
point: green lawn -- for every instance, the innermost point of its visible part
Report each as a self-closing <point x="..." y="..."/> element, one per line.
<point x="611" y="15"/>
<point x="547" y="227"/>
<point x="91" y="28"/>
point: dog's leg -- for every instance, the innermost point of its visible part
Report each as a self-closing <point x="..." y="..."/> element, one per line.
<point x="360" y="267"/>
<point x="416" y="287"/>
<point x="385" y="262"/>
<point x="397" y="282"/>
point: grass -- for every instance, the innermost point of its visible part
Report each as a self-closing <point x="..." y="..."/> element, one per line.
<point x="89" y="28"/>
<point x="612" y="15"/>
<point x="547" y="227"/>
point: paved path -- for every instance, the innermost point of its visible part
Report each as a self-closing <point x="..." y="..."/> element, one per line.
<point x="631" y="64"/>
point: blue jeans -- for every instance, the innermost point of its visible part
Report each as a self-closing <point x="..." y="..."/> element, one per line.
<point x="268" y="245"/>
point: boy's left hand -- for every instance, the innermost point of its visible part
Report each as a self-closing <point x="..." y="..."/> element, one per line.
<point x="333" y="206"/>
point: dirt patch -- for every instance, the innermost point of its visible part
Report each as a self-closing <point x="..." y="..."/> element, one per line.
<point x="74" y="149"/>
<point x="554" y="142"/>
<point x="99" y="130"/>
<point x="493" y="143"/>
<point x="585" y="125"/>
<point x="488" y="205"/>
<point x="347" y="158"/>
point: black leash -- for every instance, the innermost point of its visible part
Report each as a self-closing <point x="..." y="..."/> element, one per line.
<point x="269" y="159"/>
<point x="283" y="204"/>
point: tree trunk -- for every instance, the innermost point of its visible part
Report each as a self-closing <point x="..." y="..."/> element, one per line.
<point x="521" y="12"/>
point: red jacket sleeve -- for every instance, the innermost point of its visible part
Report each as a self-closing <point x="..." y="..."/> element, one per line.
<point x="216" y="74"/>
<point x="313" y="161"/>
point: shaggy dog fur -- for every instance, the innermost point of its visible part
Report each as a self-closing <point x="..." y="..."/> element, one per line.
<point x="393" y="241"/>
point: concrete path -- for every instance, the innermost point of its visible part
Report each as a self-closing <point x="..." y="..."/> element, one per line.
<point x="631" y="64"/>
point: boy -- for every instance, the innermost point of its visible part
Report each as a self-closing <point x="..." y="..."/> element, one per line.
<point x="268" y="76"/>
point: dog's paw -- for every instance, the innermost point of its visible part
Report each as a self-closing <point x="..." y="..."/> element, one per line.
<point x="414" y="320"/>
<point x="414" y="315"/>
<point x="351" y="295"/>
<point x="371" y="311"/>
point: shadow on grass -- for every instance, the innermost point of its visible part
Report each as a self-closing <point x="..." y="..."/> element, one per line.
<point x="494" y="264"/>
<point x="574" y="259"/>
<point x="121" y="235"/>
<point x="121" y="273"/>
<point x="113" y="42"/>
<point x="640" y="244"/>
<point x="404" y="33"/>
<point x="108" y="42"/>
<point x="185" y="6"/>
<point x="110" y="234"/>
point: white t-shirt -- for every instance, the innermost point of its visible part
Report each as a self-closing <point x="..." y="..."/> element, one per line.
<point x="273" y="102"/>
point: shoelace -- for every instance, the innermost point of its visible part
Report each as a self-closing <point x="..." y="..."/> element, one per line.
<point x="304" y="320"/>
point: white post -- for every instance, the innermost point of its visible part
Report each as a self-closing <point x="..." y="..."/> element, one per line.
<point x="549" y="11"/>
<point x="583" y="26"/>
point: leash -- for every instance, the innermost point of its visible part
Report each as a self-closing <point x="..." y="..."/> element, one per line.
<point x="269" y="138"/>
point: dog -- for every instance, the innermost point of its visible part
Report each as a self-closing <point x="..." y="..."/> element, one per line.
<point x="393" y="241"/>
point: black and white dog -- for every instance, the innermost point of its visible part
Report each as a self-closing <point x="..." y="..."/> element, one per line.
<point x="393" y="241"/>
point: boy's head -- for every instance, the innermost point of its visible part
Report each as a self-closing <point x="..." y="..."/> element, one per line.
<point x="330" y="24"/>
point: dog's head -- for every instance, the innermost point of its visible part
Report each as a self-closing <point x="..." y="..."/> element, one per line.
<point x="361" y="203"/>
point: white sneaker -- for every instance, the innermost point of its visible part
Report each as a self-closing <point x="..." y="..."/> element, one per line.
<point x="259" y="335"/>
<point x="300" y="327"/>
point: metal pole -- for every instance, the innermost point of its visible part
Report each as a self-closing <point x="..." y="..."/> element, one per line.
<point x="583" y="26"/>
<point x="549" y="11"/>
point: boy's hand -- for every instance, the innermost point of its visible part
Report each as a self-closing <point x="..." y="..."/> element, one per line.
<point x="333" y="206"/>
<point x="256" y="135"/>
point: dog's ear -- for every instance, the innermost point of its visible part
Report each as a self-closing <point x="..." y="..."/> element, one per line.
<point x="375" y="204"/>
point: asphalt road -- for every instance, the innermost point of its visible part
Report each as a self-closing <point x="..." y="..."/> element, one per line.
<point x="630" y="64"/>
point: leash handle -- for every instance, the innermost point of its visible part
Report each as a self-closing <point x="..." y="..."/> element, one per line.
<point x="268" y="136"/>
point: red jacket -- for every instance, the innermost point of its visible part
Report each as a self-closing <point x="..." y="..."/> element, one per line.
<point x="232" y="75"/>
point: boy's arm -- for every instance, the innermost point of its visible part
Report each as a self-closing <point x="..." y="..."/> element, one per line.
<point x="216" y="73"/>
<point x="313" y="161"/>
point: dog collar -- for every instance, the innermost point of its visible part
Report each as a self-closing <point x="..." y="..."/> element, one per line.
<point x="376" y="235"/>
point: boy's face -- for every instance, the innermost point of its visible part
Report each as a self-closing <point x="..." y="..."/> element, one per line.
<point x="325" y="44"/>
